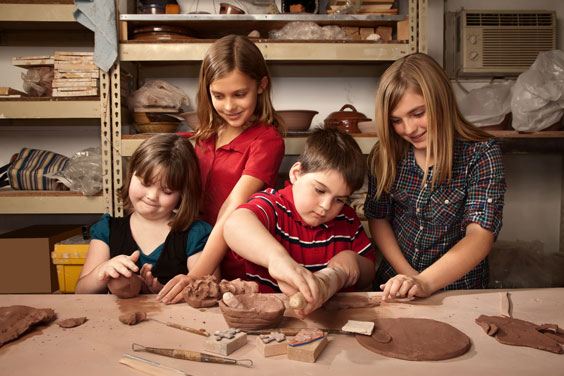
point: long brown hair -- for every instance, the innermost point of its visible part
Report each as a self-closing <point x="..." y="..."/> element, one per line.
<point x="170" y="160"/>
<point x="233" y="52"/>
<point x="422" y="75"/>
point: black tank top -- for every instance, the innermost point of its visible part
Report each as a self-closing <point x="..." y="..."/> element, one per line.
<point x="172" y="260"/>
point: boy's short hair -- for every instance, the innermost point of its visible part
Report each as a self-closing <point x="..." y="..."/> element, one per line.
<point x="332" y="149"/>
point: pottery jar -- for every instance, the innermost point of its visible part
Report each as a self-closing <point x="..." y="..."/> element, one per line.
<point x="345" y="120"/>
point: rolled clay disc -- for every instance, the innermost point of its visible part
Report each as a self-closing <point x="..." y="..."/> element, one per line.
<point x="416" y="339"/>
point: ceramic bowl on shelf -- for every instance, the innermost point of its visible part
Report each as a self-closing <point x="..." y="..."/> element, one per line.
<point x="152" y="117"/>
<point x="297" y="120"/>
<point x="346" y="121"/>
<point x="191" y="119"/>
<point x="157" y="127"/>
<point x="226" y="8"/>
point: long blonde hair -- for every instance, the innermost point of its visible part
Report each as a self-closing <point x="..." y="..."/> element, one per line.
<point x="233" y="52"/>
<point x="420" y="74"/>
<point x="173" y="159"/>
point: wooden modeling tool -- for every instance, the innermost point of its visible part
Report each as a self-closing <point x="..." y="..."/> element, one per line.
<point x="149" y="367"/>
<point x="505" y="305"/>
<point x="192" y="355"/>
<point x="201" y="332"/>
<point x="331" y="280"/>
<point x="289" y="331"/>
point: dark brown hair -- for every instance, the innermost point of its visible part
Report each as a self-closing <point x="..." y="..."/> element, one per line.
<point x="173" y="159"/>
<point x="332" y="149"/>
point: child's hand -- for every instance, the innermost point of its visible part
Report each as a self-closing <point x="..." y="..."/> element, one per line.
<point x="119" y="265"/>
<point x="401" y="286"/>
<point x="152" y="283"/>
<point x="347" y="262"/>
<point x="291" y="278"/>
<point x="171" y="293"/>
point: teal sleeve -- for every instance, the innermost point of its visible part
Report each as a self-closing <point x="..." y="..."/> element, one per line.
<point x="197" y="237"/>
<point x="101" y="229"/>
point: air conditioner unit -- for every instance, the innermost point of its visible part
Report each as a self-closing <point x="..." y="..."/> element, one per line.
<point x="504" y="42"/>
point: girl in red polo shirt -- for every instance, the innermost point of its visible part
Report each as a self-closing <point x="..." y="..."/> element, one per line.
<point x="239" y="145"/>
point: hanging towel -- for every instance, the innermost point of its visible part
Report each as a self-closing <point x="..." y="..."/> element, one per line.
<point x="100" y="17"/>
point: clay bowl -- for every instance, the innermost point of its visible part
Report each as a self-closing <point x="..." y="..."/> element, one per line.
<point x="191" y="119"/>
<point x="225" y="8"/>
<point x="297" y="120"/>
<point x="346" y="121"/>
<point x="367" y="126"/>
<point x="155" y="117"/>
<point x="259" y="311"/>
<point x="157" y="127"/>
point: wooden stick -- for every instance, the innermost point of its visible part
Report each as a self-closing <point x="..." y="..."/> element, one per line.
<point x="331" y="280"/>
<point x="150" y="367"/>
<point x="505" y="305"/>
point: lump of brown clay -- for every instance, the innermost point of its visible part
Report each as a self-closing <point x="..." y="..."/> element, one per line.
<point x="346" y="301"/>
<point x="515" y="332"/>
<point x="238" y="287"/>
<point x="133" y="318"/>
<point x="17" y="319"/>
<point x="258" y="311"/>
<point x="72" y="322"/>
<point x="202" y="292"/>
<point x="415" y="339"/>
<point x="125" y="287"/>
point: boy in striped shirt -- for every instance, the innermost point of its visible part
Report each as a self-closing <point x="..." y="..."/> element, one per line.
<point x="286" y="235"/>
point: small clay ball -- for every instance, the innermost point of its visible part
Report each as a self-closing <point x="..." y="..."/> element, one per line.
<point x="124" y="287"/>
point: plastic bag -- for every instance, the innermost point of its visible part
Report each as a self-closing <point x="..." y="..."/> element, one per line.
<point x="487" y="105"/>
<point x="158" y="93"/>
<point x="308" y="31"/>
<point x="83" y="173"/>
<point x="38" y="82"/>
<point x="538" y="95"/>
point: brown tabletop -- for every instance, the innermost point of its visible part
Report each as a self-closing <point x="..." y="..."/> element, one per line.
<point x="96" y="347"/>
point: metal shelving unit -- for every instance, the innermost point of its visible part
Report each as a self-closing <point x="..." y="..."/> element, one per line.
<point x="58" y="21"/>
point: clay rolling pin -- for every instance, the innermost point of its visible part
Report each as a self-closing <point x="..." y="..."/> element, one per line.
<point x="331" y="280"/>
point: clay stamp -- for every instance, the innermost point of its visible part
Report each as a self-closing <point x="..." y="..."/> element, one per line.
<point x="272" y="344"/>
<point x="307" y="345"/>
<point x="226" y="341"/>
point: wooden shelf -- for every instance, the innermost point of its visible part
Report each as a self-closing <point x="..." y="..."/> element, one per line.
<point x="50" y="108"/>
<point x="33" y="12"/>
<point x="49" y="202"/>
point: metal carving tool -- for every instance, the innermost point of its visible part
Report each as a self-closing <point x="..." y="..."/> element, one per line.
<point x="201" y="332"/>
<point x="150" y="367"/>
<point x="192" y="355"/>
<point x="290" y="331"/>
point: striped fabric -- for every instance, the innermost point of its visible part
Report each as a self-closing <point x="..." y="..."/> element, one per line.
<point x="28" y="170"/>
<point x="311" y="247"/>
<point x="428" y="223"/>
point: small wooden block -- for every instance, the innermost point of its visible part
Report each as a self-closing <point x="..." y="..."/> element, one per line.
<point x="225" y="346"/>
<point x="360" y="327"/>
<point x="385" y="32"/>
<point x="352" y="32"/>
<point x="272" y="348"/>
<point x="403" y="30"/>
<point x="309" y="352"/>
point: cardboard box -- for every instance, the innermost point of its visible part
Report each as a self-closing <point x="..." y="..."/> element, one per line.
<point x="68" y="257"/>
<point x="26" y="261"/>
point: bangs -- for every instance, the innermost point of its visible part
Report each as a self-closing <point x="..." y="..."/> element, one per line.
<point x="162" y="173"/>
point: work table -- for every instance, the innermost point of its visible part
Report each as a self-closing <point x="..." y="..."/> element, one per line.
<point x="95" y="347"/>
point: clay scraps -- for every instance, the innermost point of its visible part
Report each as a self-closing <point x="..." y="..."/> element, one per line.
<point x="347" y="301"/>
<point x="205" y="291"/>
<point x="273" y="336"/>
<point x="306" y="336"/>
<point x="72" y="322"/>
<point x="17" y="319"/>
<point x="515" y="332"/>
<point x="133" y="318"/>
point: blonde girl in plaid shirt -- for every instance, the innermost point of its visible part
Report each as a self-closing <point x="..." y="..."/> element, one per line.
<point x="436" y="185"/>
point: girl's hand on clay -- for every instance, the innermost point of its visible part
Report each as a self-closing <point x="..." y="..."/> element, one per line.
<point x="171" y="293"/>
<point x="348" y="263"/>
<point x="151" y="282"/>
<point x="119" y="265"/>
<point x="402" y="286"/>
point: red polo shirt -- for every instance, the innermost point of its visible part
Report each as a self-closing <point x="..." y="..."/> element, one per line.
<point x="257" y="152"/>
<point x="311" y="247"/>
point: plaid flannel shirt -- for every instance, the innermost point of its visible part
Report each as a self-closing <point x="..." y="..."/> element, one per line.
<point x="428" y="222"/>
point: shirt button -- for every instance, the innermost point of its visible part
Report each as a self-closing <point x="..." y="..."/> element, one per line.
<point x="421" y="228"/>
<point x="490" y="200"/>
<point x="447" y="202"/>
<point x="416" y="250"/>
<point x="426" y="185"/>
<point x="417" y="210"/>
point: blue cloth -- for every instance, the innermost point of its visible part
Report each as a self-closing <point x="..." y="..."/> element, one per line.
<point x="197" y="237"/>
<point x="100" y="17"/>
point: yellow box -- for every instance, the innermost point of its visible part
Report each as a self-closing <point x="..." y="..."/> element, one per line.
<point x="69" y="256"/>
